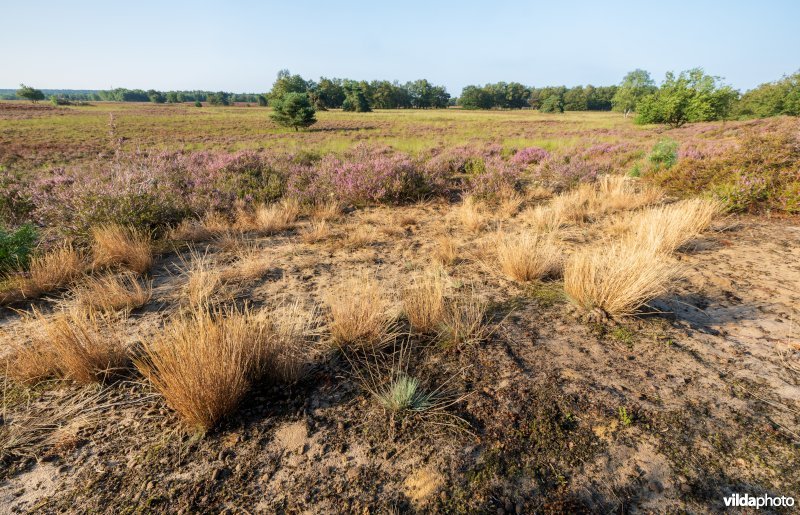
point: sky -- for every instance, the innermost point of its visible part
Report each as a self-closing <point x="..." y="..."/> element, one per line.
<point x="240" y="45"/>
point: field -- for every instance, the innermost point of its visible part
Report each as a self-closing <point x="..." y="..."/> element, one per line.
<point x="434" y="311"/>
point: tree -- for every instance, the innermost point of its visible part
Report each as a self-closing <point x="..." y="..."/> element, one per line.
<point x="691" y="96"/>
<point x="634" y="87"/>
<point x="552" y="104"/>
<point x="262" y="100"/>
<point x="772" y="99"/>
<point x="29" y="93"/>
<point x="220" y="98"/>
<point x="355" y="99"/>
<point x="287" y="83"/>
<point x="475" y="97"/>
<point x="293" y="110"/>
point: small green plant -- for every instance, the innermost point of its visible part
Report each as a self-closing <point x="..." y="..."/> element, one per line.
<point x="664" y="154"/>
<point x="16" y="247"/>
<point x="636" y="171"/>
<point x="622" y="335"/>
<point x="197" y="103"/>
<point x="404" y="393"/>
<point x="624" y="417"/>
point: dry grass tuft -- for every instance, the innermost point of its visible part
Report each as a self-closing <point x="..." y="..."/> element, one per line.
<point x="251" y="263"/>
<point x="203" y="279"/>
<point x="117" y="246"/>
<point x="545" y="218"/>
<point x="360" y="235"/>
<point x="48" y="272"/>
<point x="29" y="361"/>
<point x="617" y="278"/>
<point x="326" y="211"/>
<point x="446" y="250"/>
<point x="464" y="322"/>
<point x="204" y="362"/>
<point x="527" y="257"/>
<point x="317" y="231"/>
<point x="510" y="204"/>
<point x="86" y="348"/>
<point x="667" y="228"/>
<point x="275" y="218"/>
<point x="424" y="301"/>
<point x="360" y="312"/>
<point x="470" y="214"/>
<point x="111" y="293"/>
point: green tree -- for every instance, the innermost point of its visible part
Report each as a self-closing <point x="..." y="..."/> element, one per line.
<point x="634" y="87"/>
<point x="552" y="104"/>
<point x="29" y="93"/>
<point x="262" y="100"/>
<point x="771" y="99"/>
<point x="293" y="110"/>
<point x="287" y="83"/>
<point x="355" y="99"/>
<point x="475" y="97"/>
<point x="691" y="96"/>
<point x="220" y="98"/>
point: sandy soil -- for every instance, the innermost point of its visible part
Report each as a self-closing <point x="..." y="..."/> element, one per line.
<point x="661" y="413"/>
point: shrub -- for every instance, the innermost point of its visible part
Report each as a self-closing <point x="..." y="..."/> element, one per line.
<point x="494" y="177"/>
<point x="664" y="154"/>
<point x="293" y="110"/>
<point x="16" y="247"/>
<point x="529" y="155"/>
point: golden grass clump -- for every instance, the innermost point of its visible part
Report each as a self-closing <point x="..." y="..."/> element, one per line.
<point x="326" y="211"/>
<point x="510" y="203"/>
<point x="251" y="263"/>
<point x="205" y="362"/>
<point x="86" y="348"/>
<point x="424" y="301"/>
<point x="545" y="218"/>
<point x="29" y="361"/>
<point x="360" y="312"/>
<point x="360" y="235"/>
<point x="464" y="321"/>
<point x="617" y="278"/>
<point x="126" y="247"/>
<point x="317" y="231"/>
<point x="51" y="271"/>
<point x="110" y="293"/>
<point x="203" y="279"/>
<point x="667" y="228"/>
<point x="528" y="256"/>
<point x="276" y="217"/>
<point x="470" y="214"/>
<point x="446" y="250"/>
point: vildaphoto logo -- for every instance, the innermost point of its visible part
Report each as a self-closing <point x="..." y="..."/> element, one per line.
<point x="757" y="502"/>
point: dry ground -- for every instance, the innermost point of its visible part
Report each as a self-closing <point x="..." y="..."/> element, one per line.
<point x="662" y="412"/>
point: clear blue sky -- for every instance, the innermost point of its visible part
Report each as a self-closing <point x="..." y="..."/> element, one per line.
<point x="240" y="45"/>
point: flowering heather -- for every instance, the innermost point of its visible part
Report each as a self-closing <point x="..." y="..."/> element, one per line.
<point x="564" y="172"/>
<point x="529" y="155"/>
<point x="496" y="176"/>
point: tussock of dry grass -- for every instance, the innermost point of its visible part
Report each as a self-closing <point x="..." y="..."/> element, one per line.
<point x="545" y="218"/>
<point x="204" y="362"/>
<point x="317" y="231"/>
<point x="326" y="211"/>
<point x="510" y="204"/>
<point x="527" y="257"/>
<point x="360" y="312"/>
<point x="251" y="263"/>
<point x="86" y="348"/>
<point x="357" y="236"/>
<point x="110" y="293"/>
<point x="446" y="250"/>
<point x="203" y="279"/>
<point x="667" y="228"/>
<point x="29" y="361"/>
<point x="617" y="278"/>
<point x="470" y="214"/>
<point x="464" y="321"/>
<point x="48" y="272"/>
<point x="117" y="246"/>
<point x="275" y="218"/>
<point x="424" y="301"/>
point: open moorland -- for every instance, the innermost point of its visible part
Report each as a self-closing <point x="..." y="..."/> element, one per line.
<point x="436" y="311"/>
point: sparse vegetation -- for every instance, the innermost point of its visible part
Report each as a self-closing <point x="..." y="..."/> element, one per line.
<point x="360" y="312"/>
<point x="125" y="247"/>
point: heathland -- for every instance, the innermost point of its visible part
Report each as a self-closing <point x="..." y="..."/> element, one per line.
<point x="403" y="310"/>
